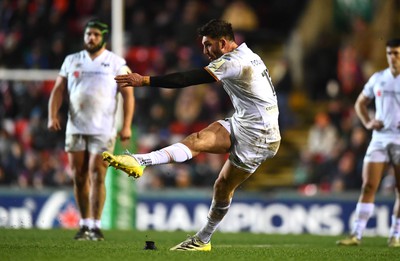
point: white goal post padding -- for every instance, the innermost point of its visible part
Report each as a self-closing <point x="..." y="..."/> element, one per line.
<point x="47" y="75"/>
<point x="28" y="75"/>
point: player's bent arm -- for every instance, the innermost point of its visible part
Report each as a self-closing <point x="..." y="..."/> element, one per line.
<point x="181" y="79"/>
<point x="55" y="101"/>
<point x="361" y="108"/>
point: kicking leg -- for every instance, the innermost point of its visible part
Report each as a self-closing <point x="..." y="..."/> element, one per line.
<point x="213" y="139"/>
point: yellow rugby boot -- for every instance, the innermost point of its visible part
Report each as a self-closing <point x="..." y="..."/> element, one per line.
<point x="192" y="244"/>
<point x="393" y="242"/>
<point x="351" y="240"/>
<point x="126" y="163"/>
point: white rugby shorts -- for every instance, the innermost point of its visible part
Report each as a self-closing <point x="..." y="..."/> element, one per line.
<point x="246" y="153"/>
<point x="383" y="150"/>
<point x="95" y="144"/>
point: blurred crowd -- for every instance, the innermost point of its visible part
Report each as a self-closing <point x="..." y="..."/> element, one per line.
<point x="160" y="37"/>
<point x="333" y="157"/>
<point x="39" y="33"/>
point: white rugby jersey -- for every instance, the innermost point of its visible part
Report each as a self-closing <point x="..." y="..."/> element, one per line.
<point x="92" y="92"/>
<point x="385" y="88"/>
<point x="246" y="79"/>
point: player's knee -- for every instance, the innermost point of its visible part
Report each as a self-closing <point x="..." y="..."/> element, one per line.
<point x="191" y="140"/>
<point x="397" y="191"/>
<point x="222" y="189"/>
<point x="218" y="186"/>
<point x="369" y="189"/>
<point x="97" y="176"/>
<point x="80" y="180"/>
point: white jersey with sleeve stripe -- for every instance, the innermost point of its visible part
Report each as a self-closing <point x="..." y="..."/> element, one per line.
<point x="92" y="92"/>
<point x="246" y="80"/>
<point x="385" y="89"/>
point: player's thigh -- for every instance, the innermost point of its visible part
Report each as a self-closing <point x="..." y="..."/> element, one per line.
<point x="212" y="139"/>
<point x="373" y="172"/>
<point x="79" y="162"/>
<point x="376" y="161"/>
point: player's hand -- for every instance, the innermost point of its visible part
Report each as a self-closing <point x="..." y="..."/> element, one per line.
<point x="54" y="124"/>
<point x="374" y="125"/>
<point x="125" y="133"/>
<point x="129" y="80"/>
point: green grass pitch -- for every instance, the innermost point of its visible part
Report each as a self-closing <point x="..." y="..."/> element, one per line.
<point x="57" y="244"/>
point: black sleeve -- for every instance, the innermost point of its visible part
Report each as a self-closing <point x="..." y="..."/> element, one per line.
<point x="182" y="79"/>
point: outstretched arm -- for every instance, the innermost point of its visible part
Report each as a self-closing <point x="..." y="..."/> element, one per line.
<point x="173" y="80"/>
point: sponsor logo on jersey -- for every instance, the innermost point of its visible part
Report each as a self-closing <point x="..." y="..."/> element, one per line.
<point x="271" y="109"/>
<point x="215" y="65"/>
<point x="256" y="62"/>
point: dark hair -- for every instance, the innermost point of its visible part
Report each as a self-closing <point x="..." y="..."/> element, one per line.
<point x="216" y="29"/>
<point x="394" y="42"/>
<point x="103" y="27"/>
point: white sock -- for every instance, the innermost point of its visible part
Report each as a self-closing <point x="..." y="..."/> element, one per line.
<point x="177" y="152"/>
<point x="84" y="222"/>
<point x="91" y="224"/>
<point x="97" y="223"/>
<point x="217" y="212"/>
<point x="395" y="227"/>
<point x="94" y="223"/>
<point x="363" y="212"/>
